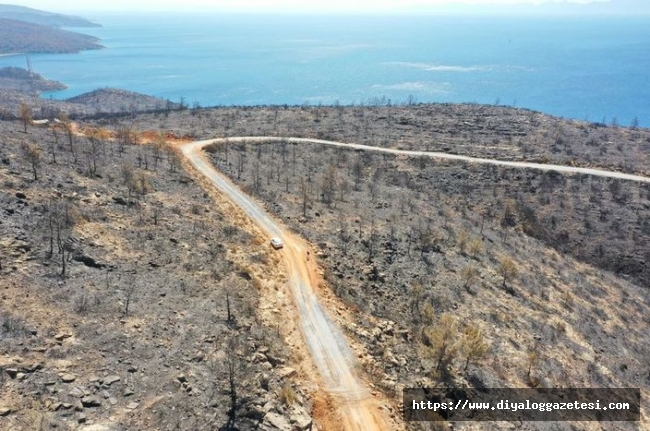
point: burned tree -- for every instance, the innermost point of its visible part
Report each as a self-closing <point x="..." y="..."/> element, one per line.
<point x="25" y="115"/>
<point x="62" y="216"/>
<point x="33" y="155"/>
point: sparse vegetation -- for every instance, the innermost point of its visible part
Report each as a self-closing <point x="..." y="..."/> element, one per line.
<point x="441" y="340"/>
<point x="508" y="269"/>
<point x="97" y="278"/>
<point x="25" y="115"/>
<point x="33" y="154"/>
<point x="469" y="274"/>
<point x="287" y="395"/>
<point x="416" y="263"/>
<point x="510" y="225"/>
<point x="473" y="346"/>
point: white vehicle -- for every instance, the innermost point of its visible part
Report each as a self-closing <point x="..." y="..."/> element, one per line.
<point x="276" y="243"/>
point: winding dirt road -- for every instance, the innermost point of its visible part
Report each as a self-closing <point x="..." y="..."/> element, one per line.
<point x="437" y="155"/>
<point x="327" y="346"/>
<point x="357" y="409"/>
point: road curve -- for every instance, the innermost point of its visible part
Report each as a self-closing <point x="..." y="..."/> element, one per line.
<point x="328" y="348"/>
<point x="438" y="155"/>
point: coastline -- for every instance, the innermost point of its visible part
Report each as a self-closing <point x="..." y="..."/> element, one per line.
<point x="322" y="69"/>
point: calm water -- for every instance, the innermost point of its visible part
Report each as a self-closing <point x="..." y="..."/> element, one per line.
<point x="584" y="68"/>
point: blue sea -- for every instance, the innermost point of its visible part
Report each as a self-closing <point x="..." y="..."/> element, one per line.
<point x="587" y="68"/>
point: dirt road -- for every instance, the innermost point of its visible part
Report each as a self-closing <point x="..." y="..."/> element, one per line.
<point x="437" y="155"/>
<point x="357" y="409"/>
<point x="327" y="346"/>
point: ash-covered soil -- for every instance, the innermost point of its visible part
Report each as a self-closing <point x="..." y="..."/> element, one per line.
<point x="478" y="276"/>
<point x="498" y="132"/>
<point x="132" y="299"/>
<point x="469" y="268"/>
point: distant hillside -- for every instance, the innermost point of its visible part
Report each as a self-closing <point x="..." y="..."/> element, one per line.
<point x="115" y="100"/>
<point x="22" y="13"/>
<point x="19" y="36"/>
<point x="15" y="78"/>
<point x="106" y="101"/>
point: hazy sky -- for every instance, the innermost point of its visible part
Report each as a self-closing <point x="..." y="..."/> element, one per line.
<point x="274" y="5"/>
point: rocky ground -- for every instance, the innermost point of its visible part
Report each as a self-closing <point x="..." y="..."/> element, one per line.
<point x="483" y="131"/>
<point x="475" y="130"/>
<point x="131" y="299"/>
<point x="409" y="241"/>
<point x="529" y="279"/>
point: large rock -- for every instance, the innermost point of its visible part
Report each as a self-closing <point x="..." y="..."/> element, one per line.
<point x="300" y="420"/>
<point x="99" y="427"/>
<point x="87" y="260"/>
<point x="32" y="368"/>
<point x="277" y="422"/>
<point x="258" y="357"/>
<point x="285" y="372"/>
<point x="77" y="393"/>
<point x="254" y="412"/>
<point x="109" y="380"/>
<point x="68" y="378"/>
<point x="90" y="401"/>
<point x="269" y="407"/>
<point x="62" y="336"/>
<point x="120" y="200"/>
